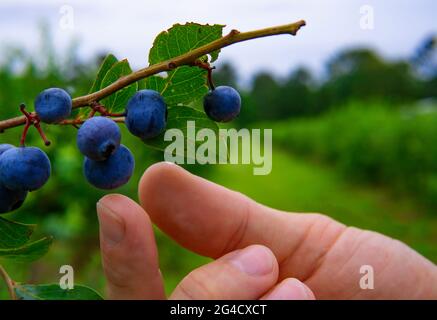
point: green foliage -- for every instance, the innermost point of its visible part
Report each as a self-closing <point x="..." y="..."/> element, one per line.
<point x="54" y="292"/>
<point x="372" y="144"/>
<point x="15" y="234"/>
<point x="185" y="84"/>
<point x="352" y="75"/>
<point x="29" y="252"/>
<point x="15" y="244"/>
<point x="107" y="64"/>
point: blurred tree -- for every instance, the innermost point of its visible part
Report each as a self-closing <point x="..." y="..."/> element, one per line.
<point x="225" y="74"/>
<point x="363" y="75"/>
<point x="265" y="95"/>
<point x="424" y="61"/>
<point x="298" y="96"/>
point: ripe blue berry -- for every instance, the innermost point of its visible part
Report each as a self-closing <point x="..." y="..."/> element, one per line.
<point x="11" y="200"/>
<point x="222" y="104"/>
<point x="53" y="105"/>
<point x="4" y="147"/>
<point x="112" y="172"/>
<point x="98" y="138"/>
<point x="146" y="114"/>
<point x="24" y="168"/>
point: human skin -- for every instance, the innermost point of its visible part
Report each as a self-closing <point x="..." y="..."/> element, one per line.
<point x="258" y="252"/>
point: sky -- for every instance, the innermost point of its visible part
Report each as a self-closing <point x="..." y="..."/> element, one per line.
<point x="127" y="28"/>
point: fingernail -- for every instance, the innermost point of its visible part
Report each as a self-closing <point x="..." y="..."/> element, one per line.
<point x="291" y="289"/>
<point x="111" y="224"/>
<point x="255" y="260"/>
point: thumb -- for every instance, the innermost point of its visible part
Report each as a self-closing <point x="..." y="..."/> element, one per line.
<point x="129" y="254"/>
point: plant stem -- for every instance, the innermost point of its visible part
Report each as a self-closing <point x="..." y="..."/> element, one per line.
<point x="9" y="283"/>
<point x="188" y="58"/>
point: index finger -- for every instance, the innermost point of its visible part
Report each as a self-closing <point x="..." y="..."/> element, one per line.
<point x="212" y="220"/>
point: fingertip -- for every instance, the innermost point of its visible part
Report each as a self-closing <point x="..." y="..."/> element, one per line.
<point x="128" y="247"/>
<point x="290" y="289"/>
<point x="242" y="274"/>
<point x="153" y="175"/>
<point x="157" y="170"/>
<point x="255" y="260"/>
<point x="113" y="199"/>
<point x="120" y="219"/>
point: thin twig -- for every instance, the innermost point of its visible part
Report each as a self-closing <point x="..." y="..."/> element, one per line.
<point x="185" y="59"/>
<point x="9" y="283"/>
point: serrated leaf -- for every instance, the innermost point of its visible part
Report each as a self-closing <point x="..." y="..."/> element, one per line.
<point x="55" y="292"/>
<point x="117" y="101"/>
<point x="184" y="84"/>
<point x="14" y="234"/>
<point x="28" y="252"/>
<point x="107" y="63"/>
<point x="178" y="118"/>
<point x="180" y="39"/>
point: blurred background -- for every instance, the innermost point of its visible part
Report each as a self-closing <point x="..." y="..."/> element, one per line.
<point x="352" y="101"/>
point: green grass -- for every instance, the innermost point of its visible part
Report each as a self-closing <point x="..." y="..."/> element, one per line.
<point x="301" y="186"/>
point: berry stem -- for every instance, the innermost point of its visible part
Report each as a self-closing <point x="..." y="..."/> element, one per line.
<point x="97" y="107"/>
<point x="31" y="119"/>
<point x="41" y="133"/>
<point x="185" y="59"/>
<point x="206" y="66"/>
<point x="23" y="136"/>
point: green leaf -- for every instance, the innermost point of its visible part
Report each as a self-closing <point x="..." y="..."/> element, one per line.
<point x="184" y="84"/>
<point x="178" y="118"/>
<point x="117" y="101"/>
<point x="180" y="39"/>
<point x="55" y="292"/>
<point x="28" y="252"/>
<point x="14" y="234"/>
<point x="107" y="63"/>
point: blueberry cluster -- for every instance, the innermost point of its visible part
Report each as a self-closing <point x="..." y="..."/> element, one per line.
<point x="108" y="164"/>
<point x="22" y="169"/>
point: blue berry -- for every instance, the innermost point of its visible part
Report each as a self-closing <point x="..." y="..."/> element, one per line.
<point x="98" y="138"/>
<point x="112" y="172"/>
<point x="222" y="104"/>
<point x="11" y="200"/>
<point x="53" y="105"/>
<point x="4" y="147"/>
<point x="146" y="114"/>
<point x="24" y="168"/>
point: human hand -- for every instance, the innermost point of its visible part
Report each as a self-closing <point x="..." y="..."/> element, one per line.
<point x="259" y="252"/>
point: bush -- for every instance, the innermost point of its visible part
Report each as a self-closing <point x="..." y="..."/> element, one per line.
<point x="372" y="143"/>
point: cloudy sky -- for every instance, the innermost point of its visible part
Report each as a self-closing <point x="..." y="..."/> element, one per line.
<point x="127" y="28"/>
